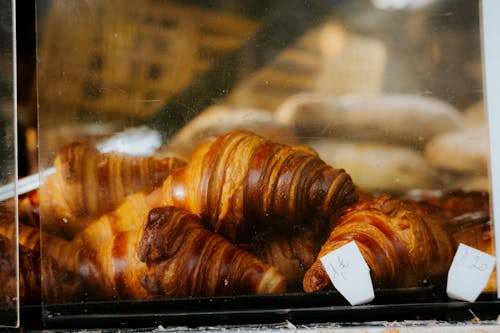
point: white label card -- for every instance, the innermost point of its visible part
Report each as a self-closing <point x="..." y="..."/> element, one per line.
<point x="349" y="273"/>
<point x="469" y="273"/>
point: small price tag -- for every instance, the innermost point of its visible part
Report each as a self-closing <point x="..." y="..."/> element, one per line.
<point x="469" y="273"/>
<point x="349" y="274"/>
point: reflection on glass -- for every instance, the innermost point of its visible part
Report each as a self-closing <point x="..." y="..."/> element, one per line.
<point x="9" y="284"/>
<point x="376" y="109"/>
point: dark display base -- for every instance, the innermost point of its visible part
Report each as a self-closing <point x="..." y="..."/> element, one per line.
<point x="297" y="308"/>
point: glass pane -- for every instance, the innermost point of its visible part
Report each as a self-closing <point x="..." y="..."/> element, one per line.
<point x="9" y="283"/>
<point x="491" y="47"/>
<point x="201" y="157"/>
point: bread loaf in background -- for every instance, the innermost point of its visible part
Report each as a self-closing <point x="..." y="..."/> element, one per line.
<point x="475" y="114"/>
<point x="463" y="155"/>
<point x="401" y="119"/>
<point x="462" y="151"/>
<point x="220" y="119"/>
<point x="378" y="167"/>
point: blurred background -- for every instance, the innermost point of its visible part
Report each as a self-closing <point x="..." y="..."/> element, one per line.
<point x="103" y="66"/>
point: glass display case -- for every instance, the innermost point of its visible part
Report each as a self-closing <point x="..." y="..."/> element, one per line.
<point x="215" y="162"/>
<point x="9" y="281"/>
<point x="491" y="50"/>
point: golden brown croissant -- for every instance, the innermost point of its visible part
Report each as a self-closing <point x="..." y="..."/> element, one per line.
<point x="8" y="288"/>
<point x="460" y="202"/>
<point x="291" y="252"/>
<point x="60" y="284"/>
<point x="29" y="264"/>
<point x="88" y="183"/>
<point x="130" y="216"/>
<point x="242" y="180"/>
<point x="452" y="203"/>
<point x="401" y="246"/>
<point x="466" y="216"/>
<point x="118" y="268"/>
<point x="85" y="267"/>
<point x="176" y="250"/>
<point x="103" y="268"/>
<point x="188" y="260"/>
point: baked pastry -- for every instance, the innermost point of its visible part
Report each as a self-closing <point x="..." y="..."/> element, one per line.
<point x="185" y="259"/>
<point x="400" y="119"/>
<point x="59" y="284"/>
<point x="403" y="245"/>
<point x="8" y="276"/>
<point x="466" y="219"/>
<point x="378" y="167"/>
<point x="242" y="182"/>
<point x="88" y="183"/>
<point x="475" y="114"/>
<point x="220" y="119"/>
<point x="463" y="151"/>
<point x="292" y="252"/>
<point x="170" y="255"/>
<point x="470" y="182"/>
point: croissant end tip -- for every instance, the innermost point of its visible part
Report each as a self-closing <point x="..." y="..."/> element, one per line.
<point x="273" y="282"/>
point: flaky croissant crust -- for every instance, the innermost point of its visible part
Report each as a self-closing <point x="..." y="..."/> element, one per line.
<point x="189" y="260"/>
<point x="242" y="181"/>
<point x="88" y="183"/>
<point x="401" y="246"/>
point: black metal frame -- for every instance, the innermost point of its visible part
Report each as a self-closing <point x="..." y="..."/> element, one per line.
<point x="426" y="303"/>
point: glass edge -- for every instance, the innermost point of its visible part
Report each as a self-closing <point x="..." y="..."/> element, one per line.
<point x="490" y="25"/>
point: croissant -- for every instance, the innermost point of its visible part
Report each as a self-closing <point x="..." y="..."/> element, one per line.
<point x="75" y="265"/>
<point x="464" y="214"/>
<point x="241" y="182"/>
<point x="291" y="252"/>
<point x="102" y="269"/>
<point x="452" y="203"/>
<point x="188" y="260"/>
<point x="88" y="183"/>
<point x="29" y="263"/>
<point x="130" y="216"/>
<point x="8" y="288"/>
<point x="403" y="246"/>
<point x="116" y="267"/>
<point x="60" y="284"/>
<point x="468" y="220"/>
